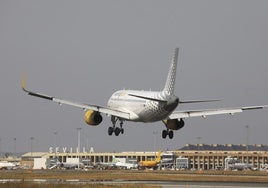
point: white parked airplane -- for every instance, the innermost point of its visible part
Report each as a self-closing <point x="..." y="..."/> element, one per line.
<point x="121" y="163"/>
<point x="144" y="106"/>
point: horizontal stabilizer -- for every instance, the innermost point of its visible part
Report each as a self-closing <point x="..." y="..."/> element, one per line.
<point x="147" y="98"/>
<point x="187" y="102"/>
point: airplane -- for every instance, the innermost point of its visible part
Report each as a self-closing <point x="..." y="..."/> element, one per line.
<point x="66" y="165"/>
<point x="71" y="165"/>
<point x="144" y="106"/>
<point x="105" y="165"/>
<point x="150" y="164"/>
<point x="125" y="165"/>
<point x="116" y="162"/>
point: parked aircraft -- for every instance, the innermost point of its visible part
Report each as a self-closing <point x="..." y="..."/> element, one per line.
<point x="123" y="164"/>
<point x="69" y="165"/>
<point x="150" y="164"/>
<point x="144" y="106"/>
<point x="105" y="165"/>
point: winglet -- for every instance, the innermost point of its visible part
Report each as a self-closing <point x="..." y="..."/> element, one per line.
<point x="23" y="82"/>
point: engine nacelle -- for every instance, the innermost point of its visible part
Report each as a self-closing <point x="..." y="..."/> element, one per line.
<point x="174" y="124"/>
<point x="92" y="118"/>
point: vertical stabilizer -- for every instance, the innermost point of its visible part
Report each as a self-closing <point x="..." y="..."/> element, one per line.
<point x="158" y="158"/>
<point x="170" y="83"/>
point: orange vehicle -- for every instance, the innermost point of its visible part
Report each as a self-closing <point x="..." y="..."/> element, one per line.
<point x="150" y="164"/>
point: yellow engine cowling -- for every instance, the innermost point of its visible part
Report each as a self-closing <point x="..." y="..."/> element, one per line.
<point x="174" y="124"/>
<point x="92" y="118"/>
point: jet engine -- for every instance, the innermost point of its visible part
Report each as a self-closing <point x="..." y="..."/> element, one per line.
<point x="92" y="118"/>
<point x="174" y="124"/>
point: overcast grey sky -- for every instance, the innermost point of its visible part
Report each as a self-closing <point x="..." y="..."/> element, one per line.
<point x="86" y="50"/>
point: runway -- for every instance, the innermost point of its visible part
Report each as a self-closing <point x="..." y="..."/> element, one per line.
<point x="166" y="179"/>
<point x="163" y="184"/>
<point x="211" y="185"/>
<point x="175" y="184"/>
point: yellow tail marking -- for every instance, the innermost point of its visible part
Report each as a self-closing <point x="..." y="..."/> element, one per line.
<point x="23" y="82"/>
<point x="158" y="159"/>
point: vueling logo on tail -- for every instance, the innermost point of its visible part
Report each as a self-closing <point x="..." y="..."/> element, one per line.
<point x="170" y="82"/>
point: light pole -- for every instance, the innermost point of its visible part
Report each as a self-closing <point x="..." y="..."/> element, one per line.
<point x="55" y="143"/>
<point x="78" y="144"/>
<point x="199" y="139"/>
<point x="198" y="148"/>
<point x="15" y="148"/>
<point x="155" y="134"/>
<point x="247" y="141"/>
<point x="32" y="138"/>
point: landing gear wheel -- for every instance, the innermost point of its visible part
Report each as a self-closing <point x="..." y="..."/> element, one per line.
<point x="164" y="134"/>
<point x="110" y="131"/>
<point x="170" y="134"/>
<point x="114" y="129"/>
<point x="117" y="131"/>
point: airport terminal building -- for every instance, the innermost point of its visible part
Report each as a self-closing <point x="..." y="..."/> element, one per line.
<point x="196" y="157"/>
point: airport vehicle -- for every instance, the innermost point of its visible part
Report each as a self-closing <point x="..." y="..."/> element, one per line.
<point x="150" y="164"/>
<point x="264" y="167"/>
<point x="144" y="106"/>
<point x="182" y="163"/>
<point x="7" y="165"/>
<point x="237" y="164"/>
<point x="168" y="159"/>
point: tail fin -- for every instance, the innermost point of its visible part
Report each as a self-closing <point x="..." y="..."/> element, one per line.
<point x="114" y="159"/>
<point x="170" y="82"/>
<point x="158" y="158"/>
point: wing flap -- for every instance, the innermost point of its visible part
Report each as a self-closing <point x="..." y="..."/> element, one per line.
<point x="104" y="110"/>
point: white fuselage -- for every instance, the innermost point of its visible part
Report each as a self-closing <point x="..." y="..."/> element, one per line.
<point x="142" y="109"/>
<point x="5" y="164"/>
<point x="126" y="165"/>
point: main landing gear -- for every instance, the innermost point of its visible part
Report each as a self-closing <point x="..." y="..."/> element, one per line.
<point x="115" y="130"/>
<point x="167" y="132"/>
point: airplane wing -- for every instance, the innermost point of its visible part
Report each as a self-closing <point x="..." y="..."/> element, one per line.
<point x="104" y="110"/>
<point x="209" y="112"/>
